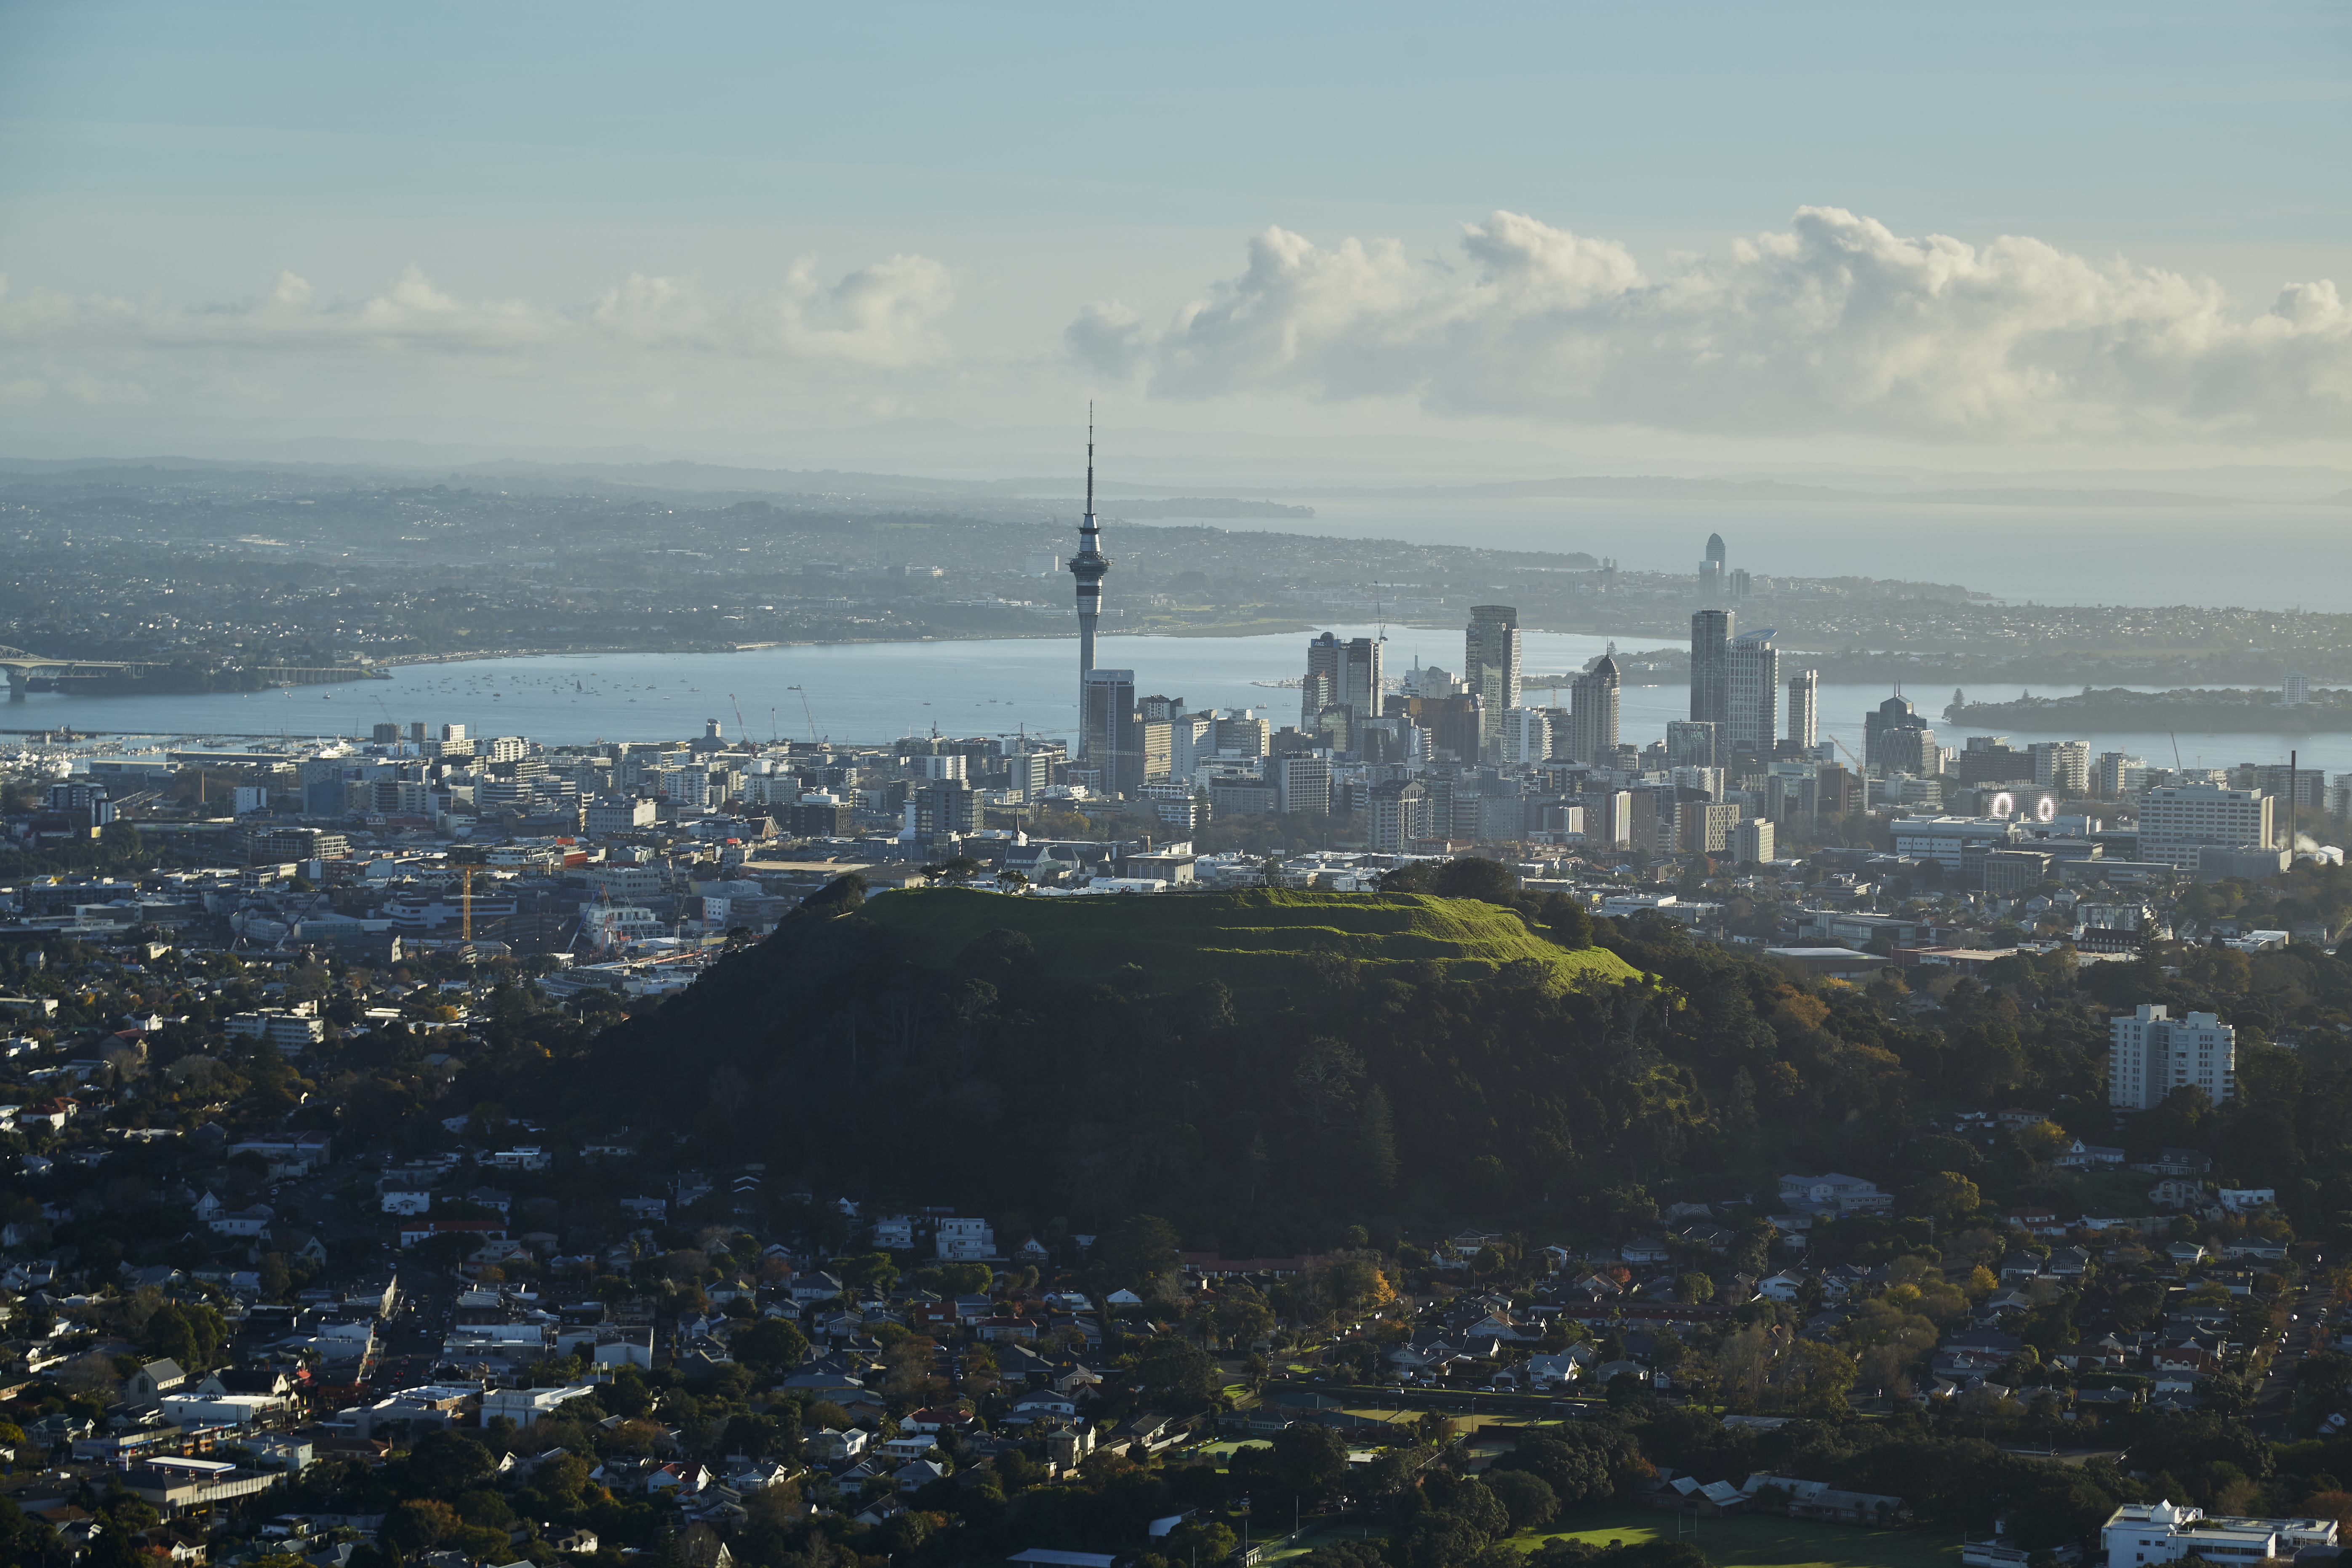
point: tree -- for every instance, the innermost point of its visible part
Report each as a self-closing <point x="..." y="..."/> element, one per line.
<point x="871" y="1268"/>
<point x="1569" y="921"/>
<point x="418" y="1524"/>
<point x="1472" y="877"/>
<point x="768" y="1344"/>
<point x="1307" y="1460"/>
<point x="447" y="1464"/>
<point x="1323" y="1082"/>
<point x="2043" y="1140"/>
<point x="1376" y="1155"/>
<point x="1137" y="1252"/>
<point x="1177" y="1372"/>
<point x="1949" y="1196"/>
<point x="1526" y="1497"/>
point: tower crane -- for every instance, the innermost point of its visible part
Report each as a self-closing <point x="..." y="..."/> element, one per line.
<point x="806" y="711"/>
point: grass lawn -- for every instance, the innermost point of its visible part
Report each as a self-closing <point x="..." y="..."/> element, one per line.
<point x="1761" y="1541"/>
<point x="1253" y="940"/>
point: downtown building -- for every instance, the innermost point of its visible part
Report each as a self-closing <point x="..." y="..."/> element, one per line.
<point x="1490" y="658"/>
<point x="2177" y="822"/>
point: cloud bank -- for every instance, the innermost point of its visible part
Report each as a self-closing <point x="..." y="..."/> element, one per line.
<point x="1835" y="325"/>
<point x="884" y="316"/>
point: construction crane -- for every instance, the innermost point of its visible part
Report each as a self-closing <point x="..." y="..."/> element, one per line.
<point x="806" y="711"/>
<point x="466" y="905"/>
<point x="743" y="730"/>
<point x="1842" y="746"/>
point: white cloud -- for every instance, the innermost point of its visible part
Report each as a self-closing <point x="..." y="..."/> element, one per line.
<point x="885" y="316"/>
<point x="1836" y="325"/>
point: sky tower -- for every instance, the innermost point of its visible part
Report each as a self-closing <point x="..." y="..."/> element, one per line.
<point x="1088" y="566"/>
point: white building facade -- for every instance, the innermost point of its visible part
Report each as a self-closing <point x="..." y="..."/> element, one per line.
<point x="2150" y="1053"/>
<point x="2178" y="820"/>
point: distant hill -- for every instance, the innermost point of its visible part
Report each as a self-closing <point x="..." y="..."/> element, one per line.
<point x="1255" y="941"/>
<point x="1249" y="1065"/>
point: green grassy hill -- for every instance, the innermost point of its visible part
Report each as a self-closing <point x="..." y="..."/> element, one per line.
<point x="1253" y="940"/>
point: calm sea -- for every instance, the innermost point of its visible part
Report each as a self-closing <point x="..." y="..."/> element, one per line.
<point x="878" y="692"/>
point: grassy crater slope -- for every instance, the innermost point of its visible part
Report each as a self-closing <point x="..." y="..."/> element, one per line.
<point x="1254" y="941"/>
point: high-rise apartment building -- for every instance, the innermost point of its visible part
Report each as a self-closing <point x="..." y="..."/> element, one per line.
<point x="1752" y="841"/>
<point x="1805" y="708"/>
<point x="2150" y="1053"/>
<point x="2296" y="690"/>
<point x="1396" y="814"/>
<point x="2063" y="765"/>
<point x="1490" y="653"/>
<point x="2119" y="775"/>
<point x="1301" y="785"/>
<point x="1340" y="674"/>
<point x="1710" y="667"/>
<point x="1527" y="735"/>
<point x="1592" y="714"/>
<point x="1753" y="722"/>
<point x="1107" y="739"/>
<point x="2178" y="820"/>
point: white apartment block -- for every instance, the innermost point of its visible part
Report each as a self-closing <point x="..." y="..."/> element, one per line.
<point x="2150" y="1053"/>
<point x="2178" y="820"/>
<point x="2120" y="774"/>
<point x="2063" y="765"/>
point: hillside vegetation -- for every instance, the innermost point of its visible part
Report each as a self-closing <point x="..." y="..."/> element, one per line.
<point x="1267" y="1070"/>
<point x="1254" y="941"/>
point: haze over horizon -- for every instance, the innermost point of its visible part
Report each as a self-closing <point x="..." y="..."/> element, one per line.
<point x="1271" y="247"/>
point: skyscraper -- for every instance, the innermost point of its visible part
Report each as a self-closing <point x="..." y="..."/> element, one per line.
<point x="1359" y="678"/>
<point x="1694" y="743"/>
<point x="1712" y="582"/>
<point x="1878" y="728"/>
<point x="1342" y="674"/>
<point x="1089" y="566"/>
<point x="1805" y="708"/>
<point x="1593" y="707"/>
<point x="1320" y="688"/>
<point x="1107" y="738"/>
<point x="1490" y="658"/>
<point x="1755" y="693"/>
<point x="1710" y="667"/>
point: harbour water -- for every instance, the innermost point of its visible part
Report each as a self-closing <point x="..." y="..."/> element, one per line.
<point x="875" y="693"/>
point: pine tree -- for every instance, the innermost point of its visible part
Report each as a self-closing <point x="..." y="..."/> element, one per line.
<point x="1376" y="1155"/>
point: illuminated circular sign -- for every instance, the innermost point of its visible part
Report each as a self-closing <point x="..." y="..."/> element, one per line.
<point x="2045" y="806"/>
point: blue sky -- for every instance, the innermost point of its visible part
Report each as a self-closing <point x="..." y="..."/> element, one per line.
<point x="162" y="166"/>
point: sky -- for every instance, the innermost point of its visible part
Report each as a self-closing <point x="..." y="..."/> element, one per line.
<point x="1596" y="239"/>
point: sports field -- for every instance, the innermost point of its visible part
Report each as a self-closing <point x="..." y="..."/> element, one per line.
<point x="1760" y="1540"/>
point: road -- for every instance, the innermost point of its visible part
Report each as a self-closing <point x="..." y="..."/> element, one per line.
<point x="358" y="1243"/>
<point x="2305" y="1331"/>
